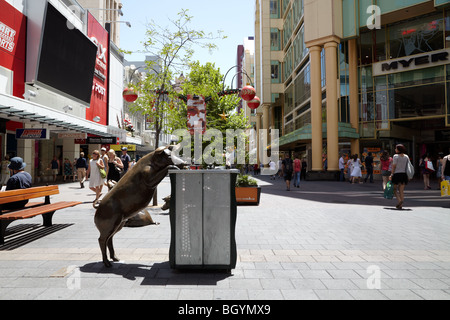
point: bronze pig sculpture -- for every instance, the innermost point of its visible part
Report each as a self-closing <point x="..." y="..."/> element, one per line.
<point x="130" y="195"/>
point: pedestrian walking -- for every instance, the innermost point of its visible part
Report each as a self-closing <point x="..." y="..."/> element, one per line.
<point x="273" y="169"/>
<point x="67" y="171"/>
<point x="95" y="179"/>
<point x="5" y="172"/>
<point x="288" y="171"/>
<point x="356" y="174"/>
<point x="280" y="168"/>
<point x="424" y="165"/>
<point x="297" y="171"/>
<point x="304" y="166"/>
<point x="446" y="168"/>
<point x="398" y="175"/>
<point x="54" y="166"/>
<point x="19" y="180"/>
<point x="439" y="168"/>
<point x="369" y="167"/>
<point x="342" y="167"/>
<point x="125" y="158"/>
<point x="81" y="167"/>
<point x="115" y="166"/>
<point x="349" y="168"/>
<point x="386" y="167"/>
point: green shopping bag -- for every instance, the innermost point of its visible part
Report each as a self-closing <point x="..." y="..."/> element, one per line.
<point x="389" y="191"/>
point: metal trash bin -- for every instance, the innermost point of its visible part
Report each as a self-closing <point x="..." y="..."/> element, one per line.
<point x="203" y="215"/>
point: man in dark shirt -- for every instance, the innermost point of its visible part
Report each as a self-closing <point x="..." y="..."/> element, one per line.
<point x="369" y="167"/>
<point x="19" y="180"/>
<point x="81" y="166"/>
<point x="125" y="159"/>
<point x="288" y="171"/>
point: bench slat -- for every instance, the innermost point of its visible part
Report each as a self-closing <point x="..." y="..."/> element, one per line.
<point x="32" y="212"/>
<point x="27" y="194"/>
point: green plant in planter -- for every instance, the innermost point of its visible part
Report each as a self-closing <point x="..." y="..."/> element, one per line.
<point x="246" y="181"/>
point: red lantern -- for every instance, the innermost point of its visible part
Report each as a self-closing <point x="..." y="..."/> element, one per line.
<point x="248" y="93"/>
<point x="129" y="95"/>
<point x="254" y="104"/>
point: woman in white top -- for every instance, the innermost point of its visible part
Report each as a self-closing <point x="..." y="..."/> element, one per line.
<point x="95" y="179"/>
<point x="356" y="169"/>
<point x="398" y="175"/>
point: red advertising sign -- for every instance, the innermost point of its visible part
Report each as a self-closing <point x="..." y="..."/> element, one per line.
<point x="13" y="44"/>
<point x="99" y="100"/>
<point x="196" y="111"/>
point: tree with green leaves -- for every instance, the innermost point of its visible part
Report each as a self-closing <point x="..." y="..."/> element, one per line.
<point x="174" y="47"/>
<point x="221" y="109"/>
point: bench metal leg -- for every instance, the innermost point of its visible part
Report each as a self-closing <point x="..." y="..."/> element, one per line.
<point x="47" y="217"/>
<point x="3" y="226"/>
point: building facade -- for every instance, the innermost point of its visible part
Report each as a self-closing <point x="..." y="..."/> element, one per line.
<point x="357" y="77"/>
<point x="59" y="75"/>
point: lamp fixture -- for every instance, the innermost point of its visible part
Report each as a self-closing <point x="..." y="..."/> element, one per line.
<point x="97" y="119"/>
<point x="68" y="108"/>
<point x="126" y="22"/>
<point x="118" y="10"/>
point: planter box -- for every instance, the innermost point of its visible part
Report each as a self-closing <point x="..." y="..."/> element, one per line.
<point x="248" y="195"/>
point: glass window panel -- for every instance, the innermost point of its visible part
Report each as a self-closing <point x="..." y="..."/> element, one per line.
<point x="419" y="101"/>
<point x="365" y="44"/>
<point x="382" y="108"/>
<point x="367" y="107"/>
<point x="379" y="45"/>
<point x="366" y="79"/>
<point x="417" y="36"/>
<point x="367" y="130"/>
<point x="275" y="40"/>
<point x="417" y="77"/>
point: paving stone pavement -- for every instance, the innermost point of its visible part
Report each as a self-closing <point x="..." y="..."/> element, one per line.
<point x="324" y="240"/>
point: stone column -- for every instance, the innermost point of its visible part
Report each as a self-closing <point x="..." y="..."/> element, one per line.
<point x="316" y="108"/>
<point x="354" y="93"/>
<point x="332" y="106"/>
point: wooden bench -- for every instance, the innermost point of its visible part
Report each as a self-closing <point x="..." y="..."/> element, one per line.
<point x="46" y="209"/>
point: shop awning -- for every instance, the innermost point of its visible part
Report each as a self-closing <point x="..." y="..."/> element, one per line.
<point x="15" y="109"/>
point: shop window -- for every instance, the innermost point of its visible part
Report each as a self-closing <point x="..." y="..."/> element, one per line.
<point x="418" y="101"/>
<point x="417" y="36"/>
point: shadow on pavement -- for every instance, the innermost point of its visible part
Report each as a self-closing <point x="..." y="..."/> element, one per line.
<point x="158" y="274"/>
<point x="20" y="235"/>
<point x="335" y="192"/>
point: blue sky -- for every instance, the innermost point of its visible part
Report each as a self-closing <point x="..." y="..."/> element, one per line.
<point x="234" y="17"/>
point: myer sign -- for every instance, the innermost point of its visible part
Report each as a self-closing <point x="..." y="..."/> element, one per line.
<point x="419" y="61"/>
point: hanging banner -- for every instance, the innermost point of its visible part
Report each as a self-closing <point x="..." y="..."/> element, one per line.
<point x="196" y="112"/>
<point x="99" y="99"/>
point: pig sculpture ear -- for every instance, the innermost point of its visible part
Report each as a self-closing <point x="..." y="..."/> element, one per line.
<point x="160" y="150"/>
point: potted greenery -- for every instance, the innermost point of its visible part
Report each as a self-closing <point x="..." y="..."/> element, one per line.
<point x="247" y="190"/>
